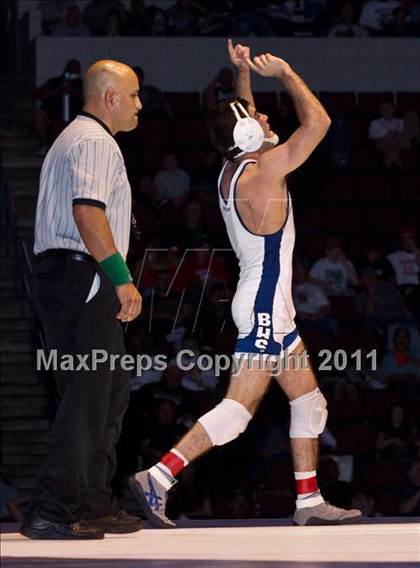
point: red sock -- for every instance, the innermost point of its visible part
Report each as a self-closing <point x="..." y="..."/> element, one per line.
<point x="173" y="462"/>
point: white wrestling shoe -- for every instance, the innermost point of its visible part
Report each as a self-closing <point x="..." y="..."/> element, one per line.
<point x="326" y="514"/>
<point x="152" y="497"/>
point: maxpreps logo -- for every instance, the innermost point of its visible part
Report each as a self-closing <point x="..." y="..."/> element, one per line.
<point x="263" y="330"/>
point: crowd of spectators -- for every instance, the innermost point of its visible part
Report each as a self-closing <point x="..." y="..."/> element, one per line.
<point x="208" y="18"/>
<point x="356" y="290"/>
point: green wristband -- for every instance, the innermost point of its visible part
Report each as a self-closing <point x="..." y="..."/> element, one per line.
<point x="116" y="269"/>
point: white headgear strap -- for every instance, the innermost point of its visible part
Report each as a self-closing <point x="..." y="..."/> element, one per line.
<point x="248" y="135"/>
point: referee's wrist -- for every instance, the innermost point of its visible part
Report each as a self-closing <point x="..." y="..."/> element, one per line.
<point x="116" y="269"/>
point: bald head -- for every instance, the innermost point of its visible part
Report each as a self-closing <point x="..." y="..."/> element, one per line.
<point x="105" y="74"/>
<point x="111" y="93"/>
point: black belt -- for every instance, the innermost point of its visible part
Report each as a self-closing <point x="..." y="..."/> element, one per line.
<point x="76" y="255"/>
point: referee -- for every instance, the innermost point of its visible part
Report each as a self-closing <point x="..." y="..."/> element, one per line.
<point x="85" y="290"/>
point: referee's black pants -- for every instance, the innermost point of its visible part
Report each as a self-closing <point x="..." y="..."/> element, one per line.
<point x="75" y="480"/>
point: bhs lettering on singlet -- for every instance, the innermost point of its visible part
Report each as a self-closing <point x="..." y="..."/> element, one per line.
<point x="263" y="330"/>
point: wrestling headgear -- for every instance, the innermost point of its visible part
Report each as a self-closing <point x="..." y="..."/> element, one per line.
<point x="248" y="135"/>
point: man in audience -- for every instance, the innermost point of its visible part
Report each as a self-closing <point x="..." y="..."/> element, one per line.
<point x="400" y="367"/>
<point x="220" y="89"/>
<point x="334" y="272"/>
<point x="312" y="305"/>
<point x="49" y="114"/>
<point x="377" y="13"/>
<point x="155" y="104"/>
<point x="386" y="132"/>
<point x="410" y="492"/>
<point x="72" y="25"/>
<point x="346" y="26"/>
<point x="379" y="302"/>
<point x="95" y="14"/>
<point x="406" y="265"/>
<point x="172" y="182"/>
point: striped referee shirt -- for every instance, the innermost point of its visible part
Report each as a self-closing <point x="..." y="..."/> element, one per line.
<point x="84" y="165"/>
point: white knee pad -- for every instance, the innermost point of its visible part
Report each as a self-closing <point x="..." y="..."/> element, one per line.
<point x="225" y="422"/>
<point x="308" y="415"/>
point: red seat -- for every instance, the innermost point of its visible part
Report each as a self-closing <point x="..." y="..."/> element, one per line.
<point x="387" y="217"/>
<point x="357" y="129"/>
<point x="354" y="439"/>
<point x="410" y="159"/>
<point x="266" y="102"/>
<point x="338" y="188"/>
<point x="152" y="132"/>
<point x="184" y="104"/>
<point x="339" y="104"/>
<point x="189" y="131"/>
<point x="151" y="157"/>
<point x="278" y="475"/>
<point x="407" y="187"/>
<point x="365" y="159"/>
<point x="309" y="219"/>
<point x="369" y="103"/>
<point x="345" y="413"/>
<point x="316" y="340"/>
<point x="386" y="504"/>
<point x="342" y="218"/>
<point x="276" y="505"/>
<point x="383" y="474"/>
<point x="371" y="187"/>
<point x="342" y="307"/>
<point x="407" y="101"/>
<point x="378" y="403"/>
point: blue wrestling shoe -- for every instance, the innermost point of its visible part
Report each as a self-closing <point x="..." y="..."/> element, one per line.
<point x="152" y="496"/>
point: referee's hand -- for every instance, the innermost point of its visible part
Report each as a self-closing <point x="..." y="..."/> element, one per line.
<point x="131" y="302"/>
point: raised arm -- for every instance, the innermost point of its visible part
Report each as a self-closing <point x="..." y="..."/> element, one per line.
<point x="238" y="55"/>
<point x="314" y="121"/>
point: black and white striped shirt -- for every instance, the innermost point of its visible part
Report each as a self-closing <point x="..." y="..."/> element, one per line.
<point x="84" y="165"/>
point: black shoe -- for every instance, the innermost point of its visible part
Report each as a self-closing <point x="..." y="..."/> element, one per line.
<point x="39" y="528"/>
<point x="119" y="523"/>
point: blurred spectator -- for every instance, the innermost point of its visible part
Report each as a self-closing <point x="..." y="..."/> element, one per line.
<point x="364" y="374"/>
<point x="138" y="17"/>
<point x="49" y="115"/>
<point x="205" y="178"/>
<point x="189" y="233"/>
<point x="182" y="16"/>
<point x="398" y="26"/>
<point x="206" y="26"/>
<point x="71" y="25"/>
<point x="53" y="12"/>
<point x="379" y="302"/>
<point x="410" y="492"/>
<point x="113" y="24"/>
<point x="377" y="13"/>
<point x="158" y="25"/>
<point x="386" y="132"/>
<point x="400" y="367"/>
<point x="172" y="182"/>
<point x="373" y="258"/>
<point x="312" y="305"/>
<point x="335" y="491"/>
<point x="249" y="19"/>
<point x="394" y="438"/>
<point x="201" y="267"/>
<point x="406" y="265"/>
<point x="240" y="506"/>
<point x="220" y="89"/>
<point x="334" y="272"/>
<point x="364" y="503"/>
<point x="346" y="26"/>
<point x="155" y="104"/>
<point x="161" y="433"/>
<point x="216" y="313"/>
<point x="95" y="14"/>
